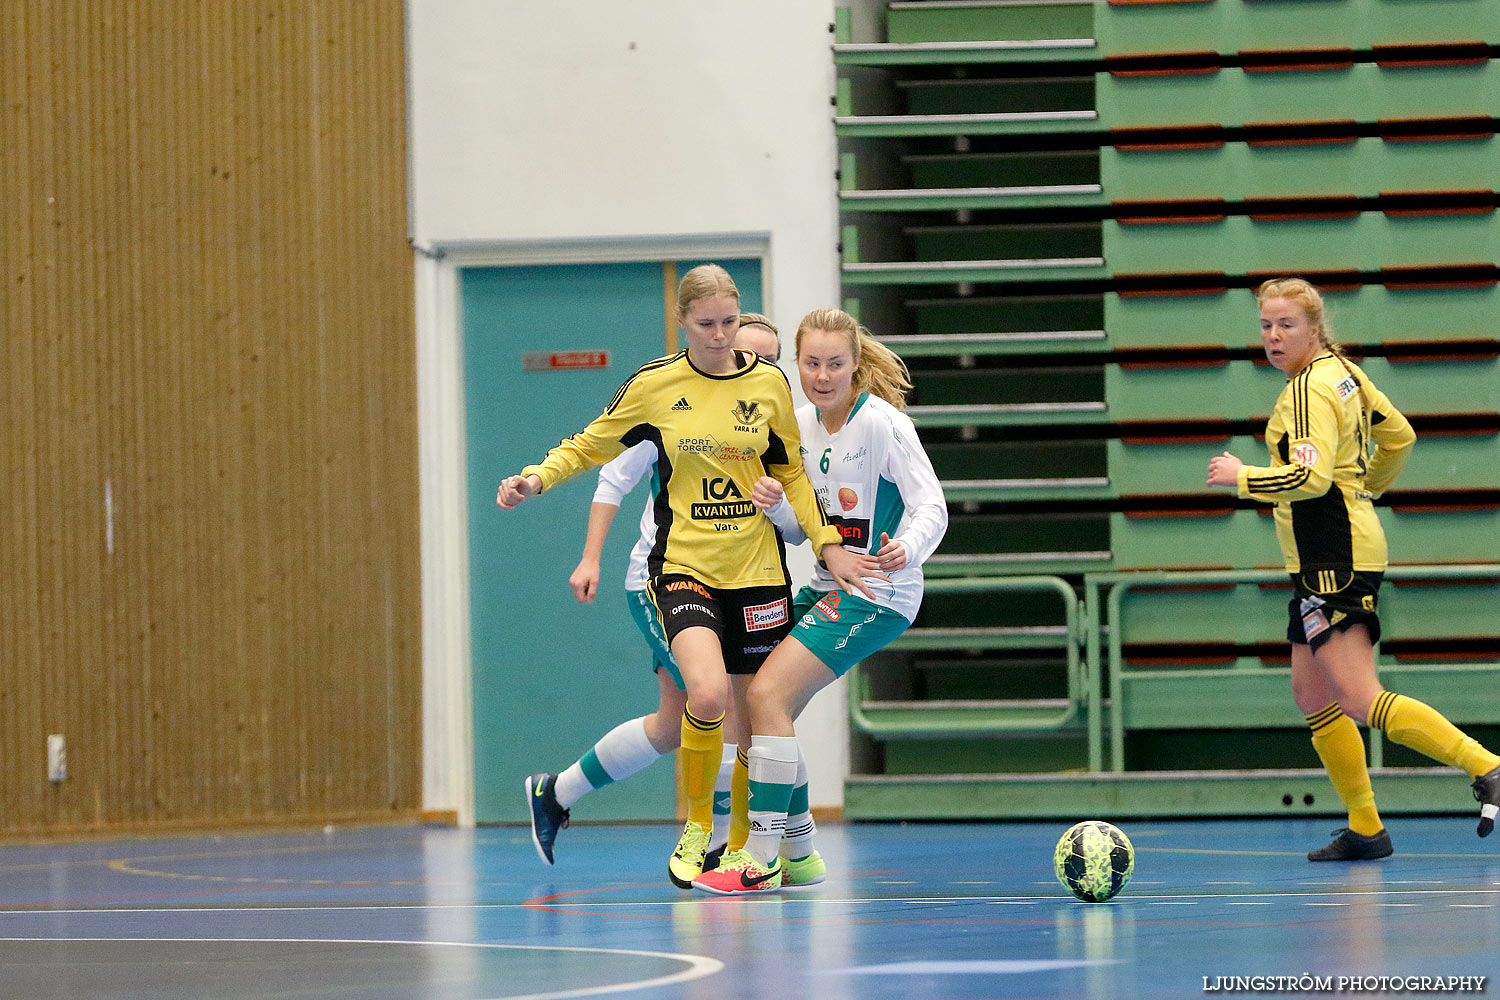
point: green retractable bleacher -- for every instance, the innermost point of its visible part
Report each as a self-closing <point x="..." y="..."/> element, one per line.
<point x="1055" y="212"/>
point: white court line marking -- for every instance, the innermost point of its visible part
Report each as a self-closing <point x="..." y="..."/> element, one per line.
<point x="987" y="967"/>
<point x="1122" y="899"/>
<point x="698" y="965"/>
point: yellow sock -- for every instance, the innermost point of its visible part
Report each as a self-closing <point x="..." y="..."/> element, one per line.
<point x="1336" y="739"/>
<point x="702" y="748"/>
<point x="739" y="802"/>
<point x="1421" y="727"/>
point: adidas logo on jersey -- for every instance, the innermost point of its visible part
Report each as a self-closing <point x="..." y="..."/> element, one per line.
<point x="682" y="404"/>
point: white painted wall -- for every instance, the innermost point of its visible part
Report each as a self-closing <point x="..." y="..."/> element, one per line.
<point x="587" y="129"/>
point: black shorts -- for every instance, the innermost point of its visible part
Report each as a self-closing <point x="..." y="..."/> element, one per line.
<point x="1328" y="601"/>
<point x="749" y="621"/>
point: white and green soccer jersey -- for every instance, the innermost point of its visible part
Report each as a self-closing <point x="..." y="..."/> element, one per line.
<point x="872" y="476"/>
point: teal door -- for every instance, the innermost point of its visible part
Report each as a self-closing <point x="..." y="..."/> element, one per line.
<point x="550" y="676"/>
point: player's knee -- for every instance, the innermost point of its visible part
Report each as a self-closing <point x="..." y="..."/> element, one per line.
<point x="766" y="704"/>
<point x="707" y="701"/>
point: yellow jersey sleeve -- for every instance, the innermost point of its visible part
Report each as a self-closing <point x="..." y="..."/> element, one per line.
<point x="1393" y="437"/>
<point x="1309" y="409"/>
<point x="600" y="441"/>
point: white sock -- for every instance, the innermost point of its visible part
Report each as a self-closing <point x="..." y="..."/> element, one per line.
<point x="773" y="770"/>
<point x="623" y="751"/>
<point x="797" y="842"/>
<point x="720" y="834"/>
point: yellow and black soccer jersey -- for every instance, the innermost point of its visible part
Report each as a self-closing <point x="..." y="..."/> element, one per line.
<point x="1319" y="477"/>
<point x="714" y="436"/>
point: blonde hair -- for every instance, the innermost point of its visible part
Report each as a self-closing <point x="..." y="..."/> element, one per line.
<point x="757" y="319"/>
<point x="701" y="282"/>
<point x="878" y="370"/>
<point x="1301" y="291"/>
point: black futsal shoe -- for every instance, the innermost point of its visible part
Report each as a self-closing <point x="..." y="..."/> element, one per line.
<point x="1350" y="846"/>
<point x="547" y="817"/>
<point x="1487" y="794"/>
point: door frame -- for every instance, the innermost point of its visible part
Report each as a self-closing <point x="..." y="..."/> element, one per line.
<point x="447" y="655"/>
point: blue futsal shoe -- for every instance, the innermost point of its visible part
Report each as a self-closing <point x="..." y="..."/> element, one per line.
<point x="547" y="817"/>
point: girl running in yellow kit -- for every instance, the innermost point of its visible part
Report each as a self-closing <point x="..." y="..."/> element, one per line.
<point x="718" y="419"/>
<point x="1322" y="478"/>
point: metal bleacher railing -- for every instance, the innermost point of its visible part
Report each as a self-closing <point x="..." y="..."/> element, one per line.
<point x="939" y="718"/>
<point x="1241" y="696"/>
<point x="1108" y="698"/>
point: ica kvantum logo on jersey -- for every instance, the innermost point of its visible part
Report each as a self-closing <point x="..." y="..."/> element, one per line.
<point x="722" y="499"/>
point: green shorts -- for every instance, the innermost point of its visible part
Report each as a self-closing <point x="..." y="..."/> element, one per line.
<point x="841" y="629"/>
<point x="644" y="613"/>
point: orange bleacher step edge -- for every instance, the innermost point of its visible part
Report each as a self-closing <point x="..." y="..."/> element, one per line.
<point x="1296" y="60"/>
<point x="1330" y="280"/>
<point x="1183" y="211"/>
<point x="1464" y="128"/>
<point x="1431" y="276"/>
<point x="1327" y="132"/>
<point x="1318" y="207"/>
<point x="1474" y="201"/>
<point x="1427" y="54"/>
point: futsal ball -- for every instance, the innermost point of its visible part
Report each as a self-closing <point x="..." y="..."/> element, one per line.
<point x="1093" y="860"/>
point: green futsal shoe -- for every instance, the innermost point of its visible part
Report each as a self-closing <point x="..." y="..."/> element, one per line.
<point x="804" y="871"/>
<point x="686" y="863"/>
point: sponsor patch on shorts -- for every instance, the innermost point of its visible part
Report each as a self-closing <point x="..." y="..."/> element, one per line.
<point x="1314" y="623"/>
<point x="763" y="616"/>
<point x="828" y="607"/>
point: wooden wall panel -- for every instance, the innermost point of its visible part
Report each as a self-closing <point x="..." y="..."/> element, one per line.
<point x="209" y="578"/>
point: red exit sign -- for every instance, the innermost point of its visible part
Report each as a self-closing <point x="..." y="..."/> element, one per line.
<point x="555" y="361"/>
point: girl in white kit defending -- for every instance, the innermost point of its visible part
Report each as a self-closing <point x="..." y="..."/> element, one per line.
<point x="877" y="486"/>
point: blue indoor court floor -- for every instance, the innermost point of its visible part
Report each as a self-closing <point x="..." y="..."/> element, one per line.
<point x="909" y="910"/>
